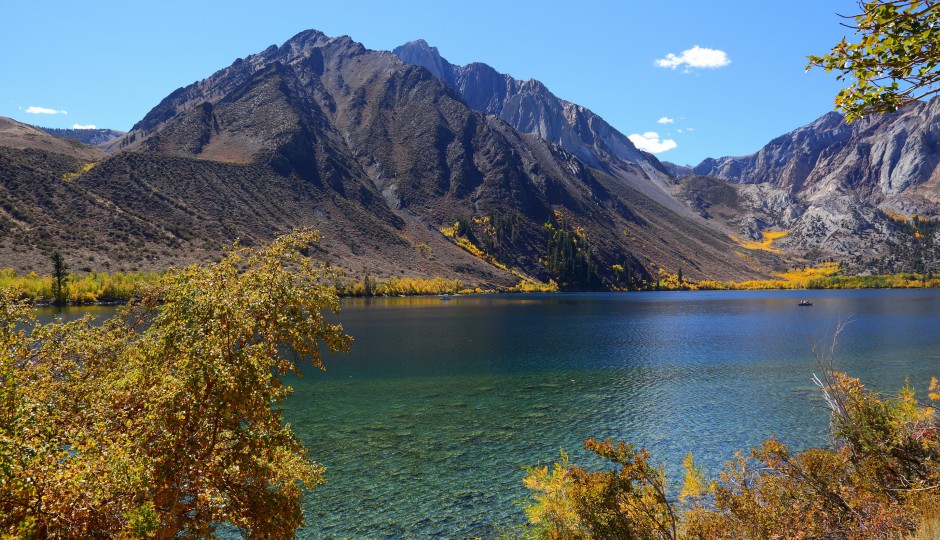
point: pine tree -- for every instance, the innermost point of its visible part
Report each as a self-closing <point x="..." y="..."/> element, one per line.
<point x="60" y="271"/>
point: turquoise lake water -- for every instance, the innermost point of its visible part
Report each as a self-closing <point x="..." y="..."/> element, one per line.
<point x="426" y="426"/>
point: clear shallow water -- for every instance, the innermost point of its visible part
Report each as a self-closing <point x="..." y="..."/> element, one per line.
<point x="426" y="426"/>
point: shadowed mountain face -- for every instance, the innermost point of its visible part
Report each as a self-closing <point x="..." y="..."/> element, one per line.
<point x="530" y="107"/>
<point x="839" y="188"/>
<point x="382" y="156"/>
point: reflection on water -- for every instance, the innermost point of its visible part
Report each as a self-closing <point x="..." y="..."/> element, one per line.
<point x="426" y="426"/>
<point x="70" y="313"/>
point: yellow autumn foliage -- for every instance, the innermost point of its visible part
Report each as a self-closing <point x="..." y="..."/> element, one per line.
<point x="825" y="275"/>
<point x="88" y="288"/>
<point x="405" y="286"/>
<point x="765" y="244"/>
<point x="530" y="285"/>
<point x="164" y="421"/>
<point x="68" y="177"/>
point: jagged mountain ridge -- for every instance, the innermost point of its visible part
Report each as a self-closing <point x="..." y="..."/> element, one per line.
<point x="381" y="156"/>
<point x="775" y="189"/>
<point x="890" y="160"/>
<point x="531" y="107"/>
<point x="835" y="186"/>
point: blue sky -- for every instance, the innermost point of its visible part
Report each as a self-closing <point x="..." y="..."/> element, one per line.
<point x="107" y="63"/>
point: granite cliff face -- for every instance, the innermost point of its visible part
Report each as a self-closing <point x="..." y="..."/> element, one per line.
<point x="530" y="107"/>
<point x="890" y="161"/>
<point x="840" y="188"/>
<point x="382" y="157"/>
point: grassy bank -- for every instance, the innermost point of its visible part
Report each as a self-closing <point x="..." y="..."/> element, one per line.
<point x="100" y="287"/>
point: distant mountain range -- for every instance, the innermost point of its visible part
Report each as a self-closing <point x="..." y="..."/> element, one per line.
<point x="411" y="166"/>
<point x="843" y="191"/>
<point x="92" y="136"/>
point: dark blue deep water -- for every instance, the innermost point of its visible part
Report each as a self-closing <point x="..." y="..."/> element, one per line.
<point x="426" y="426"/>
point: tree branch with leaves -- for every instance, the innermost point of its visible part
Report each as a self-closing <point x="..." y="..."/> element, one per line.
<point x="895" y="60"/>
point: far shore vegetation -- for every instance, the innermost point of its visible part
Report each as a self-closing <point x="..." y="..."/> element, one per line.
<point x="89" y="288"/>
<point x="85" y="288"/>
<point x="827" y="275"/>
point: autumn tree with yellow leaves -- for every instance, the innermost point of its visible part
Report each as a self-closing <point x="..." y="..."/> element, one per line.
<point x="163" y="421"/>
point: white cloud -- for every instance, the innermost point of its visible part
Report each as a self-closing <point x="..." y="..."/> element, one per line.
<point x="79" y="126"/>
<point x="650" y="142"/>
<point x="666" y="120"/>
<point x="43" y="110"/>
<point x="696" y="57"/>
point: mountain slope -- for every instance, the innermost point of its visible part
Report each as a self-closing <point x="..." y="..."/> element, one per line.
<point x="389" y="131"/>
<point x="21" y="136"/>
<point x="43" y="207"/>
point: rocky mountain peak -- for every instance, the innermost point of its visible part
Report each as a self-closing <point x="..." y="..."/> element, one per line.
<point x="879" y="156"/>
<point x="536" y="86"/>
<point x="419" y="53"/>
<point x="310" y="36"/>
<point x="836" y="188"/>
<point x="529" y="106"/>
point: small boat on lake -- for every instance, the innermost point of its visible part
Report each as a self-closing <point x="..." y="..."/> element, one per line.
<point x="805" y="303"/>
<point x="445" y="298"/>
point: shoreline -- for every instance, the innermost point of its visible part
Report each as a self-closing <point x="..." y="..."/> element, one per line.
<point x="832" y="282"/>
